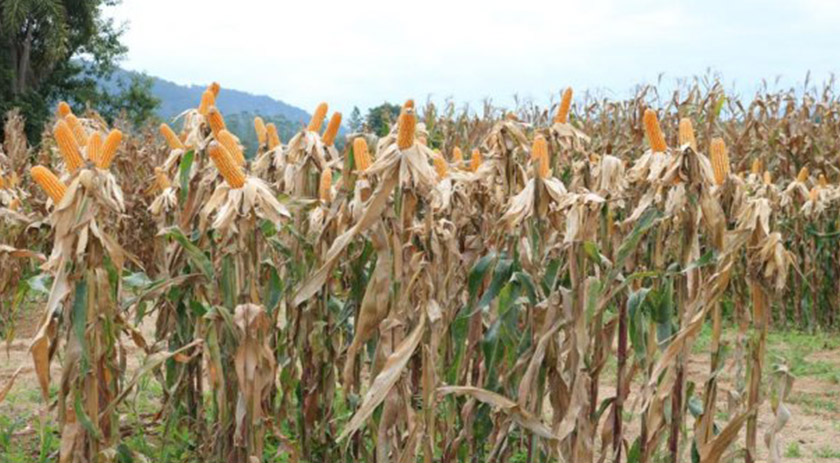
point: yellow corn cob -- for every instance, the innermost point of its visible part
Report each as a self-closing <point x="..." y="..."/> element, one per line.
<point x="225" y="165"/>
<point x="67" y="146"/>
<point x="63" y="109"/>
<point x="161" y="180"/>
<point x="512" y="117"/>
<point x="48" y="182"/>
<point x="756" y="166"/>
<point x="94" y="147"/>
<point x="324" y="191"/>
<point x="686" y="133"/>
<point x="803" y="175"/>
<point x="14" y="204"/>
<point x="332" y="129"/>
<point x="360" y="154"/>
<point x="720" y="160"/>
<point x="215" y="120"/>
<point x="654" y="132"/>
<point x="457" y="156"/>
<point x="539" y="154"/>
<point x="214" y="87"/>
<point x="229" y="142"/>
<point x="822" y="181"/>
<point x="813" y="194"/>
<point x="79" y="132"/>
<point x="273" y="138"/>
<point x="407" y="125"/>
<point x="171" y="139"/>
<point x="440" y="166"/>
<point x="2" y="182"/>
<point x="475" y="160"/>
<point x="208" y="100"/>
<point x="12" y="180"/>
<point x="767" y="178"/>
<point x="318" y="118"/>
<point x="409" y="104"/>
<point x="259" y="128"/>
<point x="109" y="149"/>
<point x="565" y="104"/>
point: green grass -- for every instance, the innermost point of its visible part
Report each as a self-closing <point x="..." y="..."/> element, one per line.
<point x="827" y="452"/>
<point x="793" y="450"/>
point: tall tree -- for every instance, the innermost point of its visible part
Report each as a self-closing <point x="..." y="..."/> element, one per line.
<point x="57" y="49"/>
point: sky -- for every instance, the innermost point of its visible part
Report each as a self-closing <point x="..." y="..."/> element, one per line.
<point x="363" y="52"/>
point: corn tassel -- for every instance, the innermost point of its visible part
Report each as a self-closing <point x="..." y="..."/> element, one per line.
<point x="79" y="132"/>
<point x="273" y="138"/>
<point x="361" y="157"/>
<point x="407" y="125"/>
<point x="259" y="128"/>
<point x="803" y="175"/>
<point x="67" y="146"/>
<point x="457" y="156"/>
<point x="720" y="160"/>
<point x="822" y="181"/>
<point x="686" y="134"/>
<point x="226" y="165"/>
<point x="654" y="132"/>
<point x="565" y="104"/>
<point x="229" y="142"/>
<point x="109" y="149"/>
<point x="324" y="191"/>
<point x="208" y="100"/>
<point x="63" y="109"/>
<point x="332" y="129"/>
<point x="215" y="120"/>
<point x="475" y="160"/>
<point x="440" y="167"/>
<point x="539" y="153"/>
<point x="214" y="88"/>
<point x="94" y="147"/>
<point x="161" y="180"/>
<point x="318" y="118"/>
<point x="171" y="139"/>
<point x="52" y="186"/>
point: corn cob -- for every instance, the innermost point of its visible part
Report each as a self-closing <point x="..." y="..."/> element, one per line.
<point x="332" y="129"/>
<point x="822" y="181"/>
<point x="475" y="160"/>
<point x="720" y="160"/>
<point x="318" y="118"/>
<point x="512" y="117"/>
<point x="273" y="138"/>
<point x="171" y="139"/>
<point x="686" y="133"/>
<point x="215" y="120"/>
<point x="67" y="146"/>
<point x="14" y="204"/>
<point x="326" y="183"/>
<point x="109" y="149"/>
<point x="225" y="165"/>
<point x="94" y="147"/>
<point x="407" y="125"/>
<point x="208" y="100"/>
<point x="259" y="128"/>
<point x="654" y="132"/>
<point x="48" y="182"/>
<point x="767" y="178"/>
<point x="161" y="180"/>
<point x="565" y="104"/>
<point x="813" y="194"/>
<point x="2" y="182"/>
<point x="79" y="132"/>
<point x="440" y="166"/>
<point x="63" y="109"/>
<point x="457" y="156"/>
<point x="803" y="175"/>
<point x="229" y="142"/>
<point x="409" y="104"/>
<point x="539" y="153"/>
<point x="756" y="167"/>
<point x="361" y="157"/>
<point x="214" y="87"/>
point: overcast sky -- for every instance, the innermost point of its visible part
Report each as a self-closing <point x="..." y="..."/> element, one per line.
<point x="368" y="51"/>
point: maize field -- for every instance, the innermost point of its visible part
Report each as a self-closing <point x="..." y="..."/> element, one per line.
<point x="477" y="285"/>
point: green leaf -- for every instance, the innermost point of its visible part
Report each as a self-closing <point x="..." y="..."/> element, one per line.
<point x="195" y="255"/>
<point x="477" y="274"/>
<point x="136" y="280"/>
<point x="80" y="320"/>
<point x="501" y="275"/>
<point x="184" y="173"/>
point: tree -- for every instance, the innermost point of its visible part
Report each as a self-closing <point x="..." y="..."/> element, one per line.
<point x="380" y="118"/>
<point x="356" y="122"/>
<point x="59" y="49"/>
